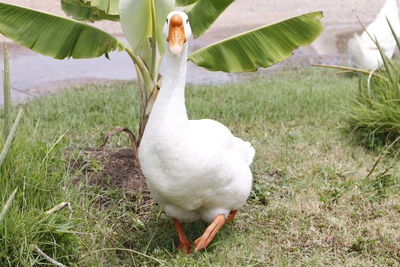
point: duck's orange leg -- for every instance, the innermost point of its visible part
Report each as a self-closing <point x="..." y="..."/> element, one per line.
<point x="184" y="243"/>
<point x="231" y="215"/>
<point x="205" y="239"/>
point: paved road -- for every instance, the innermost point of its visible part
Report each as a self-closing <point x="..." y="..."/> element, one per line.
<point x="35" y="75"/>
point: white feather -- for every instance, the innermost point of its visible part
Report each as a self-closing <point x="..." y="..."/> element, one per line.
<point x="194" y="168"/>
<point x="362" y="49"/>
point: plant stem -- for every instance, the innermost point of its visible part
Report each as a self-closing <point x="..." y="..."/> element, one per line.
<point x="8" y="204"/>
<point x="10" y="137"/>
<point x="141" y="66"/>
<point x="7" y="92"/>
<point x="142" y="91"/>
<point x="60" y="207"/>
<point x="153" y="42"/>
<point x="146" y="83"/>
<point x="44" y="255"/>
<point x="364" y="71"/>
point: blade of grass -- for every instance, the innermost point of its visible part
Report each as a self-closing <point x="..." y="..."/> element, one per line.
<point x="60" y="207"/>
<point x="369" y="80"/>
<point x="8" y="204"/>
<point x="44" y="255"/>
<point x="396" y="38"/>
<point x="364" y="71"/>
<point x="386" y="61"/>
<point x="380" y="157"/>
<point x="7" y="93"/>
<point x="10" y="137"/>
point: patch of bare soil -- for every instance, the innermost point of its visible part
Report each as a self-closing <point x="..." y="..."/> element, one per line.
<point x="111" y="169"/>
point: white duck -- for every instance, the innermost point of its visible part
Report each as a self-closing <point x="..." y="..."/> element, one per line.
<point x="195" y="169"/>
<point x="362" y="49"/>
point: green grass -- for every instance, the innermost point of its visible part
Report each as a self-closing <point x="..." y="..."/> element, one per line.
<point x="313" y="202"/>
<point x="374" y="115"/>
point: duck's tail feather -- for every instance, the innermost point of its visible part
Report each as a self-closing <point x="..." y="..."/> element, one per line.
<point x="245" y="150"/>
<point x="251" y="153"/>
<point x="355" y="51"/>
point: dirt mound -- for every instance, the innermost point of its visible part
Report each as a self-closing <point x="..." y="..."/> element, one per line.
<point x="113" y="168"/>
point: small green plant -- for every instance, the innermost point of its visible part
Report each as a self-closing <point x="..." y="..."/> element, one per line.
<point x="374" y="114"/>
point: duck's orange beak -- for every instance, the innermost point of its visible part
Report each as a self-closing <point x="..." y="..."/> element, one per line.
<point x="176" y="36"/>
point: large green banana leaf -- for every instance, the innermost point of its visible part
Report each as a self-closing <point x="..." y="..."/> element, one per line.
<point x="140" y="17"/>
<point x="203" y="14"/>
<point x="110" y="7"/>
<point x="185" y="2"/>
<point x="82" y="10"/>
<point x="94" y="10"/>
<point x="55" y="36"/>
<point x="260" y="47"/>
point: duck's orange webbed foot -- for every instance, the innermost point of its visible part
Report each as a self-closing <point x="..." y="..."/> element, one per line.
<point x="205" y="239"/>
<point x="184" y="243"/>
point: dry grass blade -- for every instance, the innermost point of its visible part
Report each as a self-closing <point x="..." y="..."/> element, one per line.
<point x="118" y="130"/>
<point x="60" y="207"/>
<point x="10" y="137"/>
<point x="369" y="80"/>
<point x="364" y="71"/>
<point x="380" y="157"/>
<point x="44" y="255"/>
<point x="7" y="205"/>
<point x="132" y="137"/>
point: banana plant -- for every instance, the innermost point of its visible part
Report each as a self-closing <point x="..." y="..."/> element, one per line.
<point x="9" y="131"/>
<point x="142" y="22"/>
<point x="7" y="93"/>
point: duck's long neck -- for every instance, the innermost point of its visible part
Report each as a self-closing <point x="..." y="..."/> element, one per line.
<point x="170" y="104"/>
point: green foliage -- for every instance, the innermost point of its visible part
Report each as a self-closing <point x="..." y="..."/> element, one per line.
<point x="374" y="114"/>
<point x="261" y="47"/>
<point x="203" y="14"/>
<point x="7" y="204"/>
<point x="185" y="2"/>
<point x="104" y="9"/>
<point x="142" y="20"/>
<point x="10" y="137"/>
<point x="55" y="36"/>
<point x="82" y="10"/>
<point x="110" y="7"/>
<point x="382" y="185"/>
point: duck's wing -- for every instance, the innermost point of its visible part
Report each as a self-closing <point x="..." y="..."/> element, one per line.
<point x="218" y="137"/>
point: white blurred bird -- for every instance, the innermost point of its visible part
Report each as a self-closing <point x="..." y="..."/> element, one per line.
<point x="363" y="50"/>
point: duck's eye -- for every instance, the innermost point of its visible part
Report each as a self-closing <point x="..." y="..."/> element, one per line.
<point x="166" y="21"/>
<point x="187" y="21"/>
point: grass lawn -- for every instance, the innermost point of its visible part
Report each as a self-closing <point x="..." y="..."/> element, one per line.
<point x="313" y="202"/>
